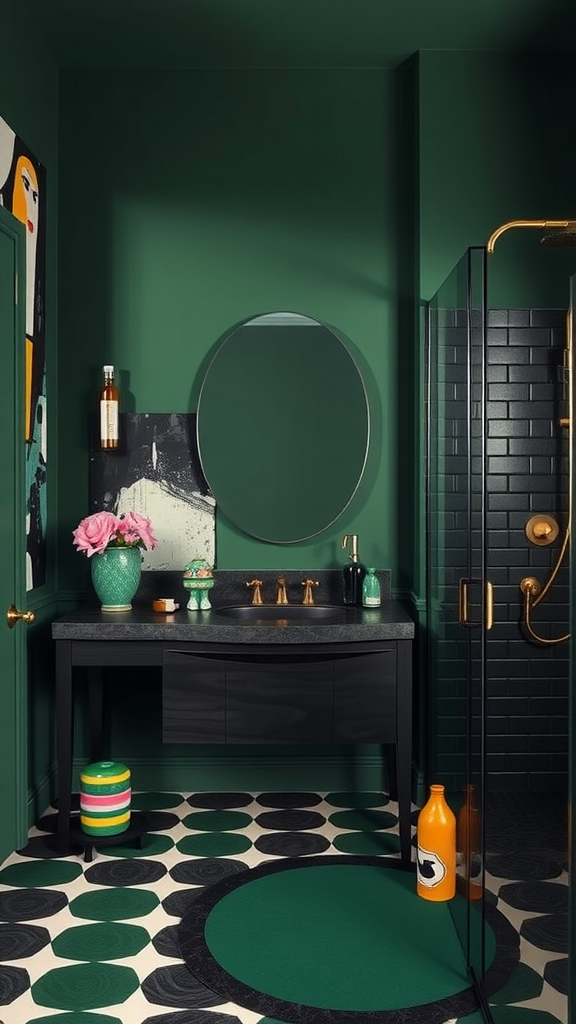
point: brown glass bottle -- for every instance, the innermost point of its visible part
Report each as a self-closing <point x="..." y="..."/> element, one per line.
<point x="469" y="846"/>
<point x="109" y="410"/>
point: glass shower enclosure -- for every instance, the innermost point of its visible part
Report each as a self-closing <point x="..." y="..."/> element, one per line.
<point x="498" y="394"/>
<point x="458" y="592"/>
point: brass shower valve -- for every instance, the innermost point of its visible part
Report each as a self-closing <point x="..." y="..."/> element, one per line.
<point x="542" y="529"/>
<point x="531" y="586"/>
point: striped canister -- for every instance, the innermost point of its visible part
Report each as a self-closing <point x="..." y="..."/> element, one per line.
<point x="105" y="798"/>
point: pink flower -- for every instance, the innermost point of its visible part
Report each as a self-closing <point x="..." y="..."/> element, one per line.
<point x="135" y="529"/>
<point x="105" y="530"/>
<point x="93" y="535"/>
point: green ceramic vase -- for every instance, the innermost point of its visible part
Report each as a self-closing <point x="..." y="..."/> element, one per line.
<point x="115" y="576"/>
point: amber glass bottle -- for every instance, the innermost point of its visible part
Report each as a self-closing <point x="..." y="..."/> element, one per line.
<point x="109" y="410"/>
<point x="436" y="836"/>
<point x="469" y="846"/>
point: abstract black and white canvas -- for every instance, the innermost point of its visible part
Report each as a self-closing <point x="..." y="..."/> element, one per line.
<point x="157" y="472"/>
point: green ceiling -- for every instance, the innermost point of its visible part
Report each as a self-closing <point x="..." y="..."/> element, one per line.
<point x="290" y="33"/>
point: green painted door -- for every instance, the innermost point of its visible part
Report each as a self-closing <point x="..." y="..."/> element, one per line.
<point x="13" y="689"/>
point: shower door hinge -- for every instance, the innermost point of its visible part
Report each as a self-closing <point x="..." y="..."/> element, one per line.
<point x="487" y="621"/>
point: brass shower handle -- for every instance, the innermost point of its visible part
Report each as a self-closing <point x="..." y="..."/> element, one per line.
<point x="463" y="618"/>
<point x="489" y="605"/>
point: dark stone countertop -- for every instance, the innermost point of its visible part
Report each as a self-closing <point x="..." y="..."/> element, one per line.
<point x="344" y="625"/>
<point x="341" y="624"/>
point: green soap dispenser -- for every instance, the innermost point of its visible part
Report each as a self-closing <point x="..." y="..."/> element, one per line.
<point x="371" y="590"/>
<point x="354" y="573"/>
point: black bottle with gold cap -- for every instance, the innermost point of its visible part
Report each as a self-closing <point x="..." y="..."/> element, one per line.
<point x="352" y="574"/>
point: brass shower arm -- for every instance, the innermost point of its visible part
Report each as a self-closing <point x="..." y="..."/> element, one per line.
<point x="526" y="224"/>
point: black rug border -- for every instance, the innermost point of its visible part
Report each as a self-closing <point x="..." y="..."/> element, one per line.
<point x="210" y="973"/>
<point x="507" y="953"/>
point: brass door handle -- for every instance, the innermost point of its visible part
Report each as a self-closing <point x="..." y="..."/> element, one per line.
<point x="13" y="615"/>
<point x="463" y="601"/>
<point x="463" y="605"/>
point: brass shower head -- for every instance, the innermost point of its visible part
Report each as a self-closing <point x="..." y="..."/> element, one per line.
<point x="564" y="236"/>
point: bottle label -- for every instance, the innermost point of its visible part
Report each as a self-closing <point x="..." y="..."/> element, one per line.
<point x="109" y="421"/>
<point x="371" y="601"/>
<point x="431" y="869"/>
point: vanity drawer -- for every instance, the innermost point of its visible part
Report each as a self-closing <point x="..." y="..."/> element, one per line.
<point x="292" y="699"/>
<point x="284" y="701"/>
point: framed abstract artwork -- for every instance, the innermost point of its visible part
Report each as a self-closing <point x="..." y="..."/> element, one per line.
<point x="156" y="471"/>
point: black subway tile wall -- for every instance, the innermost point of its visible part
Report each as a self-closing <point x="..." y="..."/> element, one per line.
<point x="527" y="473"/>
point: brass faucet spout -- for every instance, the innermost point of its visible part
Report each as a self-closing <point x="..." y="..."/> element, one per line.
<point x="281" y="595"/>
<point x="257" y="593"/>
<point x="308" y="594"/>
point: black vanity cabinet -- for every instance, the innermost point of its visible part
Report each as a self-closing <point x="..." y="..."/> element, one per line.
<point x="347" y="681"/>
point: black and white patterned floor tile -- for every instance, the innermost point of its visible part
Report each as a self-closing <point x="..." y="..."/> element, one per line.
<point x="95" y="942"/>
<point x="526" y="869"/>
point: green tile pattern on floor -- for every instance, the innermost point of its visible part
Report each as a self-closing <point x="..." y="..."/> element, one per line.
<point x="95" y="943"/>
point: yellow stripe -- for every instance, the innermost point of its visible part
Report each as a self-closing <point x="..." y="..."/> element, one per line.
<point x="104" y="822"/>
<point x="104" y="780"/>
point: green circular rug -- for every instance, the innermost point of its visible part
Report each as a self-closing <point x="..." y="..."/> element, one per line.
<point x="334" y="938"/>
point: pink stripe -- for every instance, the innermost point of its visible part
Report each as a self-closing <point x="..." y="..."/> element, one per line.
<point x="96" y="802"/>
<point x="103" y="798"/>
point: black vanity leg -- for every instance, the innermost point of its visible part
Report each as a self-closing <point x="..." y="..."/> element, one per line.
<point x="95" y="709"/>
<point x="64" y="741"/>
<point x="391" y="755"/>
<point x="404" y="747"/>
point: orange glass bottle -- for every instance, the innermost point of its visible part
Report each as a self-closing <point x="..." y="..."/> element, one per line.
<point x="436" y="836"/>
<point x="109" y="410"/>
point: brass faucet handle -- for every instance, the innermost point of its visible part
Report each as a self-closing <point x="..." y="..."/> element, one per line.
<point x="281" y="595"/>
<point x="257" y="594"/>
<point x="308" y="595"/>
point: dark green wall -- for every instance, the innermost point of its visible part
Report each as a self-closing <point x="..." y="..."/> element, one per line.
<point x="496" y="144"/>
<point x="189" y="202"/>
<point x="193" y="200"/>
<point x="29" y="104"/>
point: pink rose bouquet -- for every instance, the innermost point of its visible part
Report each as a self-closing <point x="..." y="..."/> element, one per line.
<point x="104" y="530"/>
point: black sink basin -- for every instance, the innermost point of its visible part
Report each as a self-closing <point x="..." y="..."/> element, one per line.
<point x="269" y="613"/>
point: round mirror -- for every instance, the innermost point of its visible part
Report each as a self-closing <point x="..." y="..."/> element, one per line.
<point x="283" y="427"/>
